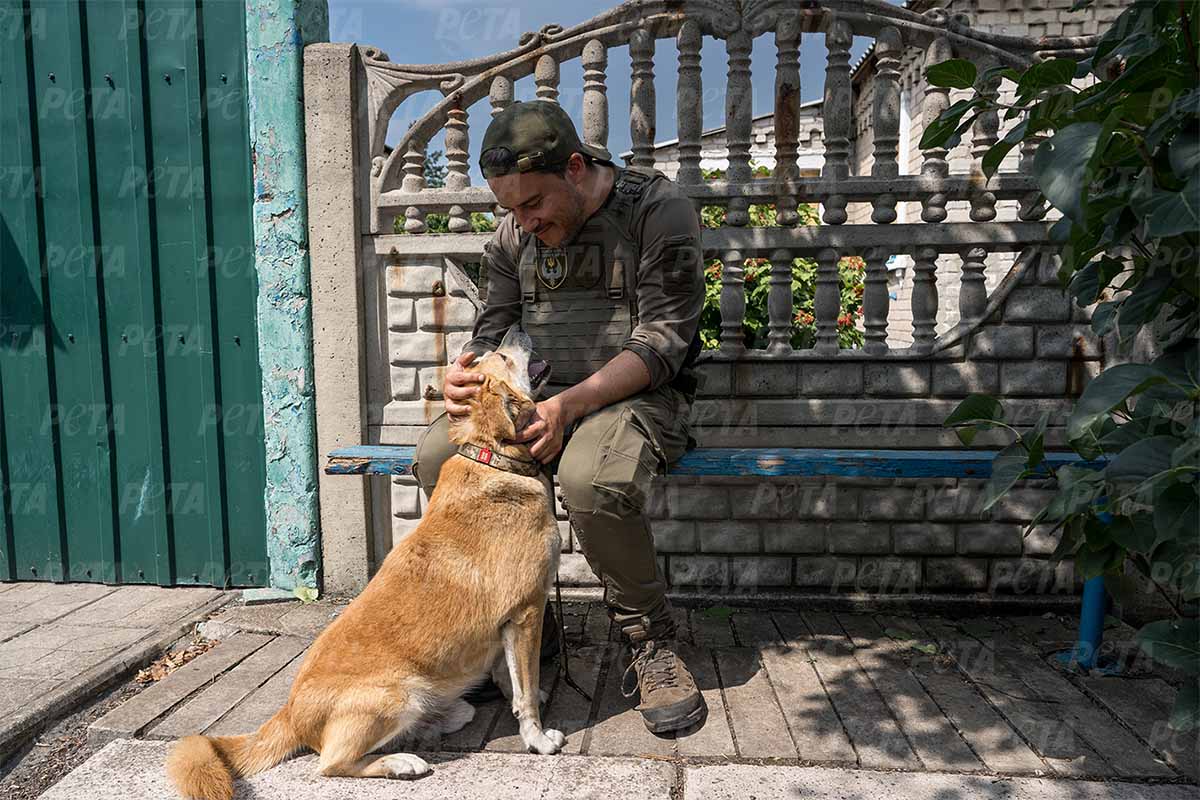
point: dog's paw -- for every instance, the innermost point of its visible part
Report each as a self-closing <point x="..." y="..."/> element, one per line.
<point x="405" y="765"/>
<point x="547" y="742"/>
<point x="457" y="717"/>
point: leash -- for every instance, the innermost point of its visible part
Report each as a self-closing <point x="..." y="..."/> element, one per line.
<point x="563" y="658"/>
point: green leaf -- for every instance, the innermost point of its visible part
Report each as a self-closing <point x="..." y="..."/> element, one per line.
<point x="1175" y="643"/>
<point x="1060" y="166"/>
<point x="307" y="594"/>
<point x="1078" y="488"/>
<point x="1092" y="563"/>
<point x="1184" y="154"/>
<point x="1046" y="74"/>
<point x="898" y="634"/>
<point x="976" y="411"/>
<point x="1104" y="317"/>
<point x="1143" y="304"/>
<point x="1185" y="716"/>
<point x="1136" y="536"/>
<point x="1176" y="512"/>
<point x="994" y="157"/>
<point x="957" y="73"/>
<point x="1188" y="453"/>
<point x="1171" y="213"/>
<point x="1142" y="460"/>
<point x="1007" y="468"/>
<point x="1108" y="390"/>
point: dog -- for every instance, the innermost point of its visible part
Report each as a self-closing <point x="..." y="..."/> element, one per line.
<point x="464" y="588"/>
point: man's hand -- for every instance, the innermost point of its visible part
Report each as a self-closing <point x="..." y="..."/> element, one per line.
<point x="460" y="385"/>
<point x="545" y="429"/>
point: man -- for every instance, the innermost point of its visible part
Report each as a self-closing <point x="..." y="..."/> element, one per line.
<point x="601" y="267"/>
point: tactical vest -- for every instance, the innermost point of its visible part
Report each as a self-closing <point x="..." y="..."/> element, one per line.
<point x="579" y="301"/>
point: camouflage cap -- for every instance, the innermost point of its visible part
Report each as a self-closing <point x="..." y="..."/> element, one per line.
<point x="539" y="134"/>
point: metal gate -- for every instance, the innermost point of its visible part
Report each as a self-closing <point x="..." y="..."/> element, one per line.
<point x="131" y="425"/>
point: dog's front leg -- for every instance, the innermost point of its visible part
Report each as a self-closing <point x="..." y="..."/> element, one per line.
<point x="522" y="639"/>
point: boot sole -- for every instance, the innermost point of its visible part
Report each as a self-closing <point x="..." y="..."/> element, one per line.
<point x="678" y="723"/>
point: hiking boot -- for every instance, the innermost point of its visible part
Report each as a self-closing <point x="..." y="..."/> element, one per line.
<point x="669" y="698"/>
<point x="551" y="644"/>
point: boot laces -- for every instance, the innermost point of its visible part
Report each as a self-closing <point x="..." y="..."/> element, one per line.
<point x="654" y="666"/>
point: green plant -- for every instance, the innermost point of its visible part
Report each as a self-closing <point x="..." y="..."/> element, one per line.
<point x="1118" y="152"/>
<point x="756" y="276"/>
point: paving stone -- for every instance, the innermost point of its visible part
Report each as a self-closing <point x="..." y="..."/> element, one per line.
<point x="1116" y="745"/>
<point x="142" y="606"/>
<point x="1037" y="722"/>
<point x="66" y="635"/>
<point x="1145" y="705"/>
<point x="206" y="708"/>
<point x="262" y="703"/>
<point x="618" y="729"/>
<point x="711" y="629"/>
<point x="44" y="602"/>
<point x="874" y="733"/>
<point x="759" y="727"/>
<point x="815" y="726"/>
<point x="742" y="781"/>
<point x="15" y="692"/>
<point x="132" y="770"/>
<point x="133" y="716"/>
<point x="712" y="737"/>
<point x="927" y="729"/>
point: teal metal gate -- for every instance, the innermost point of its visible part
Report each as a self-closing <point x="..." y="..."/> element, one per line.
<point x="131" y="442"/>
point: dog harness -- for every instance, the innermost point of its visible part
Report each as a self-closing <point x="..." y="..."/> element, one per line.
<point x="485" y="455"/>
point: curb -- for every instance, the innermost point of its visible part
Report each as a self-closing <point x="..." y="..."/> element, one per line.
<point x="44" y="710"/>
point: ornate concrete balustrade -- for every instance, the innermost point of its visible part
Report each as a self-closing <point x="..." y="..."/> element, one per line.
<point x="397" y="186"/>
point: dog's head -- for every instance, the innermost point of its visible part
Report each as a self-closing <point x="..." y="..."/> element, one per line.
<point x="505" y="396"/>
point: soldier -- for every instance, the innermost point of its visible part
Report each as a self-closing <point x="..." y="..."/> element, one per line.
<point x="601" y="267"/>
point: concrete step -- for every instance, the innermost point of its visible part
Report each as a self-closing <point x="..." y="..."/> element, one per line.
<point x="133" y="770"/>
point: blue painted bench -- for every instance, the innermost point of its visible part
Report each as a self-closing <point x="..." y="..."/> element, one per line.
<point x="805" y="462"/>
<point x="753" y="462"/>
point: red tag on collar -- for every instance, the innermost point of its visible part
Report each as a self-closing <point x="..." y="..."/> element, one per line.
<point x="485" y="455"/>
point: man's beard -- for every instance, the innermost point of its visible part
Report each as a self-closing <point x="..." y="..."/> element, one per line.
<point x="575" y="224"/>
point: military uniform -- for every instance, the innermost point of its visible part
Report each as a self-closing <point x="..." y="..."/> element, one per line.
<point x="631" y="279"/>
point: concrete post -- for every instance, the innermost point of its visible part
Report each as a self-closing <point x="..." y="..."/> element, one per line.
<point x="333" y="128"/>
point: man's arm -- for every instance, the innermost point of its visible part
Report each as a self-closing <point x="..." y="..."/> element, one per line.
<point x="501" y="311"/>
<point x="503" y="307"/>
<point x="670" y="298"/>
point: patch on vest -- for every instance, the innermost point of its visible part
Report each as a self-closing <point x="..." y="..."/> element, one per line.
<point x="552" y="268"/>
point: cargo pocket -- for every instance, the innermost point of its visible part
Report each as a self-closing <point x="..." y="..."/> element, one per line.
<point x="629" y="460"/>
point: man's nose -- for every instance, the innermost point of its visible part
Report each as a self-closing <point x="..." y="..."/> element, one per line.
<point x="527" y="221"/>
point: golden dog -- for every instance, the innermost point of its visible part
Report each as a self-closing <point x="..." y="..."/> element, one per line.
<point x="469" y="582"/>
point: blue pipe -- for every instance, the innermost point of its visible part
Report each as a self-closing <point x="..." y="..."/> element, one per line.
<point x="1091" y="623"/>
<point x="1091" y="615"/>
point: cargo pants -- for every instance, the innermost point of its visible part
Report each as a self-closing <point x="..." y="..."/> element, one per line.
<point x="605" y="469"/>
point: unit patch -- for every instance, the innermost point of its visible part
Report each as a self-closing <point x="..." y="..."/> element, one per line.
<point x="551" y="267"/>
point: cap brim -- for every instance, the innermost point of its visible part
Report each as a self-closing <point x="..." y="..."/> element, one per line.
<point x="596" y="152"/>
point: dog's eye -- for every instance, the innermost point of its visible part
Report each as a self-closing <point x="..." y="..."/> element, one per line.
<point x="507" y="360"/>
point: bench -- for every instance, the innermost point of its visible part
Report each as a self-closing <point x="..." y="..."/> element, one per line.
<point x="767" y="462"/>
<point x="805" y="462"/>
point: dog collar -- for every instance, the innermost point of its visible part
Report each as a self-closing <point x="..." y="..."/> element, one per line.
<point x="500" y="461"/>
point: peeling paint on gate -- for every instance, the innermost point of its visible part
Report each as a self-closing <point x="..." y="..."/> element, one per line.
<point x="276" y="32"/>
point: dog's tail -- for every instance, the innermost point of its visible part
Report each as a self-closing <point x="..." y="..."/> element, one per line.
<point x="203" y="767"/>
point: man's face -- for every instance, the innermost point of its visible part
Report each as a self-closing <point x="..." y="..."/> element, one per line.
<point x="546" y="205"/>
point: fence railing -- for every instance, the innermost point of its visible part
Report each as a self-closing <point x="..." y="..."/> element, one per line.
<point x="397" y="187"/>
